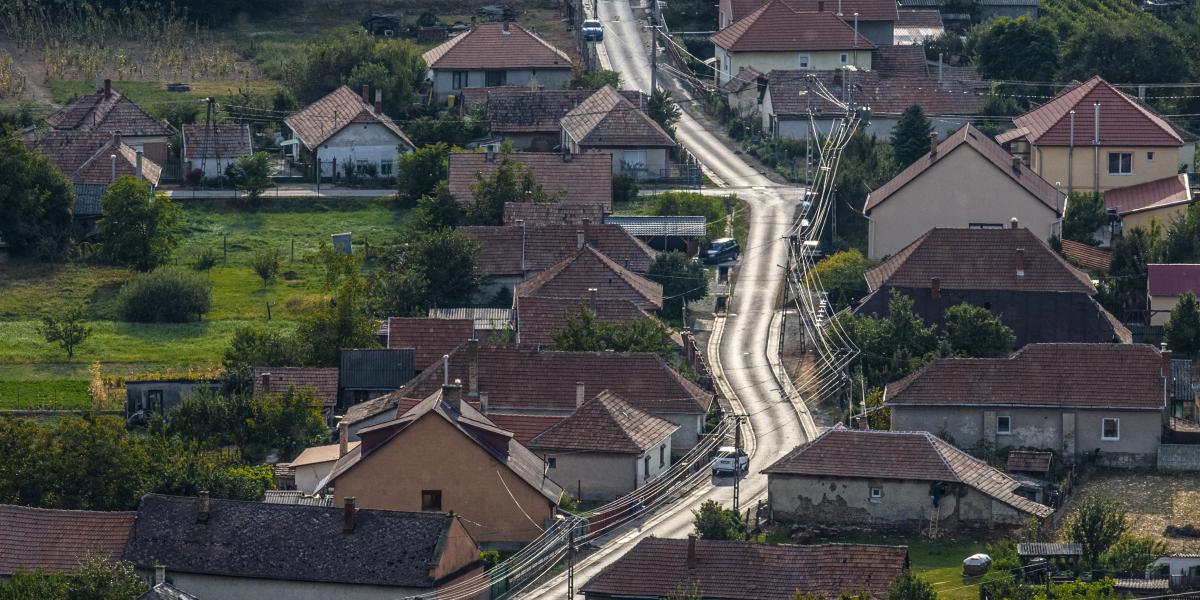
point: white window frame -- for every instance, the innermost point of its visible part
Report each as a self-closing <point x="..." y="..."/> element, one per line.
<point x="1106" y="438"/>
<point x="876" y="495"/>
<point x="1008" y="425"/>
<point x="1120" y="173"/>
<point x="805" y="61"/>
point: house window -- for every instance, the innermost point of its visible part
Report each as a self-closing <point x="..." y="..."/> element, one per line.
<point x="1149" y="157"/>
<point x="496" y="78"/>
<point x="431" y="500"/>
<point x="804" y="62"/>
<point x="461" y="80"/>
<point x="552" y="462"/>
<point x="385" y="168"/>
<point x="1004" y="425"/>
<point x="633" y="160"/>
<point x="1110" y="429"/>
<point x="662" y="455"/>
<point x="646" y="468"/>
<point x="1120" y="163"/>
<point x="876" y="494"/>
<point x="360" y="167"/>
<point x="154" y="402"/>
<point x="845" y="58"/>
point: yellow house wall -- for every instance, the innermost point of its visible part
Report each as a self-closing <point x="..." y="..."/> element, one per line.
<point x="1160" y="309"/>
<point x="1051" y="163"/>
<point x="1162" y="216"/>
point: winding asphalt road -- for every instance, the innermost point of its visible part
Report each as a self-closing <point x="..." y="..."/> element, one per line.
<point x="774" y="421"/>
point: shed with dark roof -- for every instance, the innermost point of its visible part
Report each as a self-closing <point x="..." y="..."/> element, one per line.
<point x="213" y="147"/>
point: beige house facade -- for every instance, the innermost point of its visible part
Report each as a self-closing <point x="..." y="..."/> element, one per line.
<point x="1166" y="284"/>
<point x="1120" y="166"/>
<point x="765" y="62"/>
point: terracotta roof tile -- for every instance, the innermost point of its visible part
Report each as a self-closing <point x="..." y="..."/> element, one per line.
<point x="523" y="427"/>
<point x="657" y="568"/>
<point x="553" y="213"/>
<point x="520" y="110"/>
<point x="778" y="27"/>
<point x="431" y="338"/>
<point x="583" y="179"/>
<point x="489" y="46"/>
<point x="868" y="10"/>
<point x="1124" y="376"/>
<point x="85" y="157"/>
<point x="395" y="403"/>
<point x="1123" y="120"/>
<point x="588" y="269"/>
<point x="216" y="141"/>
<point x="1152" y="195"/>
<point x="502" y="248"/>
<point x="58" y="541"/>
<point x="979" y="259"/>
<point x="1172" y="279"/>
<point x="608" y="424"/>
<point x="540" y="318"/>
<point x="94" y="112"/>
<point x="1029" y="461"/>
<point x="320" y="120"/>
<point x="1086" y="256"/>
<point x="322" y="381"/>
<point x="609" y="120"/>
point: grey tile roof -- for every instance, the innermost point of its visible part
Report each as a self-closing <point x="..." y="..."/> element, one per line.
<point x="223" y="140"/>
<point x="607" y="424"/>
<point x="1181" y="380"/>
<point x="87" y="199"/>
<point x="609" y="120"/>
<point x="656" y="226"/>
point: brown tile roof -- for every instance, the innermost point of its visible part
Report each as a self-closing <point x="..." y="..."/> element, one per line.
<point x="524" y="378"/>
<point x="1172" y="280"/>
<point x="518" y="109"/>
<point x="657" y="568"/>
<point x="319" y="454"/>
<point x="588" y="269"/>
<point x="979" y="259"/>
<point x="431" y="338"/>
<point x="553" y="213"/>
<point x="608" y="424"/>
<point x="777" y="27"/>
<point x="85" y="157"/>
<point x="58" y="541"/>
<point x="609" y="120"/>
<point x="985" y="148"/>
<point x="918" y="455"/>
<point x="744" y="78"/>
<point x="1029" y="461"/>
<point x="1123" y="120"/>
<point x="1152" y="195"/>
<point x="1123" y="376"/>
<point x="216" y="141"/>
<point x="376" y="406"/>
<point x="582" y="179"/>
<point x="868" y="10"/>
<point x="1086" y="256"/>
<point x="322" y="381"/>
<point x="94" y="112"/>
<point x="540" y="318"/>
<point x="523" y="427"/>
<point x="320" y="120"/>
<point x="501" y="248"/>
<point x="488" y="46"/>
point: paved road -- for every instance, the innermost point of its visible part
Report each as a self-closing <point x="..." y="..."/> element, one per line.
<point x="743" y="350"/>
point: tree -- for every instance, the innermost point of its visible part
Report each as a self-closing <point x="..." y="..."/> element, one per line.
<point x="99" y="579"/>
<point x="67" y="329"/>
<point x="1131" y="50"/>
<point x="713" y="522"/>
<point x="1182" y="330"/>
<point x="137" y="226"/>
<point x="256" y="346"/>
<point x="437" y="210"/>
<point x="512" y="181"/>
<point x="419" y="172"/>
<point x="583" y="332"/>
<point x="1018" y="49"/>
<point x="1133" y="553"/>
<point x="172" y="295"/>
<point x="976" y="332"/>
<point x="1085" y="216"/>
<point x="251" y="174"/>
<point x="1097" y="523"/>
<point x="841" y="275"/>
<point x="909" y="586"/>
<point x="1183" y="237"/>
<point x="893" y="346"/>
<point x="594" y="80"/>
<point x="257" y="424"/>
<point x="339" y="321"/>
<point x="683" y="280"/>
<point x="1125" y="287"/>
<point x="266" y="263"/>
<point x="35" y="201"/>
<point x="624" y="189"/>
<point x="663" y="110"/>
<point x="351" y="54"/>
<point x="910" y="136"/>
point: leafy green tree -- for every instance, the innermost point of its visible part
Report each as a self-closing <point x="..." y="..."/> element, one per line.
<point x="1183" y="237"/>
<point x="893" y="346"/>
<point x="267" y="264"/>
<point x="976" y="332"/>
<point x="624" y="189"/>
<point x="449" y="129"/>
<point x="512" y="181"/>
<point x="256" y="346"/>
<point x="1133" y="553"/>
<point x="251" y="174"/>
<point x="37" y="585"/>
<point x="172" y="295"/>
<point x="910" y="136"/>
<point x="99" y="579"/>
<point x="682" y="278"/>
<point x="1125" y="287"/>
<point x="908" y="586"/>
<point x="1134" y="50"/>
<point x="1080" y="590"/>
<point x="437" y="210"/>
<point x="712" y="208"/>
<point x="584" y="332"/>
<point x="339" y="321"/>
<point x="594" y="80"/>
<point x="841" y="274"/>
<point x="1182" y="330"/>
<point x="256" y="424"/>
<point x="1085" y="216"/>
<point x="35" y="201"/>
<point x="866" y="164"/>
<point x="350" y="53"/>
<point x="663" y="110"/>
<point x="446" y="259"/>
<point x="1020" y="49"/>
<point x="713" y="522"/>
<point x="67" y="329"/>
<point x="419" y="172"/>
<point x="137" y="226"/>
<point x="1096" y="524"/>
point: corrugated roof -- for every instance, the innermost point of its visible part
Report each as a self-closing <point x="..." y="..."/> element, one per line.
<point x="656" y="226"/>
<point x="1181" y="380"/>
<point x="1046" y="549"/>
<point x="778" y="27"/>
<point x="58" y="541"/>
<point x="506" y="46"/>
<point x="485" y="319"/>
<point x="1123" y="120"/>
<point x="1151" y="195"/>
<point x="296" y="497"/>
<point x="1172" y="279"/>
<point x="321" y="120"/>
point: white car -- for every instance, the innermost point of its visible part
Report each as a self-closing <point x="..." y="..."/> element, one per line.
<point x="730" y="460"/>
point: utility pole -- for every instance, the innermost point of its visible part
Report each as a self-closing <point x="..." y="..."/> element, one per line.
<point x="571" y="563"/>
<point x="653" y="58"/>
<point x="737" y="459"/>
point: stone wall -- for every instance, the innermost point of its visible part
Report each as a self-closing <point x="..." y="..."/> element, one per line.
<point x="1179" y="457"/>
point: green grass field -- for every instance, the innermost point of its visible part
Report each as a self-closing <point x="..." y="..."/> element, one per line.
<point x="54" y="393"/>
<point x="150" y="93"/>
<point x="937" y="561"/>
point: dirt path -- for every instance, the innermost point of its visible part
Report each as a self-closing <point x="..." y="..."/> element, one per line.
<point x="30" y="64"/>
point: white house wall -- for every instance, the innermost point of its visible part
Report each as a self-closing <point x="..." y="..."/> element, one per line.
<point x="551" y="79"/>
<point x="371" y="142"/>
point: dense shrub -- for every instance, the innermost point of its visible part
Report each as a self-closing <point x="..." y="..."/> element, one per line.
<point x="165" y="296"/>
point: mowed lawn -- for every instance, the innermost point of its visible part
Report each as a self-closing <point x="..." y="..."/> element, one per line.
<point x="937" y="561"/>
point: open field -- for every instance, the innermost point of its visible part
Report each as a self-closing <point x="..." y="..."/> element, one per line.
<point x="1153" y="501"/>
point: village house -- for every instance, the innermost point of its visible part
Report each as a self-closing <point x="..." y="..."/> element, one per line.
<point x="236" y="550"/>
<point x="430" y="339"/>
<point x="108" y="111"/>
<point x="967" y="180"/>
<point x="1165" y="284"/>
<point x="591" y="274"/>
<point x="541" y="318"/>
<point x="608" y="123"/>
<point x="528" y="118"/>
<point x="315" y="463"/>
<point x="914" y="25"/>
<point x="1160" y="200"/>
<point x="147" y="397"/>
<point x="893" y="480"/>
<point x="583" y="179"/>
<point x="1093" y="137"/>
<point x="58" y="541"/>
<point x="322" y="382"/>
<point x="778" y="36"/>
<point x="212" y="148"/>
<point x="479" y="471"/>
<point x="734" y="570"/>
<point x="495" y="54"/>
<point x="367" y="373"/>
<point x="553" y="213"/>
<point x="344" y="128"/>
<point x="876" y="18"/>
<point x="1087" y="402"/>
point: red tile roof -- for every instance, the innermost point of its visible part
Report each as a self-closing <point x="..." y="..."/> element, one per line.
<point x="59" y="541"/>
<point x="1152" y="195"/>
<point x="777" y="27"/>
<point x="85" y="157"/>
<point x="322" y="381"/>
<point x="607" y="424"/>
<point x="523" y="427"/>
<point x="431" y="338"/>
<point x="94" y="112"/>
<point x="580" y="179"/>
<point x="503" y="249"/>
<point x="539" y="319"/>
<point x="1173" y="279"/>
<point x="520" y="110"/>
<point x="609" y="120"/>
<point x="658" y="568"/>
<point x="321" y="120"/>
<point x="868" y="10"/>
<point x="985" y="148"/>
<point x="1123" y="376"/>
<point x="980" y="259"/>
<point x="216" y="141"/>
<point x="553" y="213"/>
<point x="1086" y="256"/>
<point x="1029" y="461"/>
<point x="489" y="46"/>
<point x="918" y="456"/>
<point x="1123" y="120"/>
<point x="589" y="269"/>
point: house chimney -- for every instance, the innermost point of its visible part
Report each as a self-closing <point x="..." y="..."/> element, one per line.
<point x="472" y="367"/>
<point x="935" y="287"/>
<point x="691" y="555"/>
<point x="483" y="402"/>
<point x="933" y="144"/>
<point x="1013" y="223"/>
<point x="366" y="93"/>
<point x="579" y="239"/>
<point x="113" y="176"/>
<point x="445" y="369"/>
<point x="343" y="438"/>
<point x="1167" y="355"/>
<point x="116" y="140"/>
<point x="107" y="88"/>
<point x="1020" y="262"/>
<point x="1016" y="164"/>
<point x="202" y="507"/>
<point x="820" y="5"/>
<point x="160" y="574"/>
<point x="138" y="167"/>
<point x="452" y="395"/>
<point x="506" y="31"/>
<point x="379" y="102"/>
<point x="580" y="393"/>
<point x="349" y="507"/>
<point x="265" y="383"/>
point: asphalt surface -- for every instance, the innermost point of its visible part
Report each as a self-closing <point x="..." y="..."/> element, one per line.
<point x="776" y="426"/>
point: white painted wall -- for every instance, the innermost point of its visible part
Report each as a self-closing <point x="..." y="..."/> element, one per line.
<point x="371" y="142"/>
<point x="443" y="80"/>
<point x="308" y="476"/>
